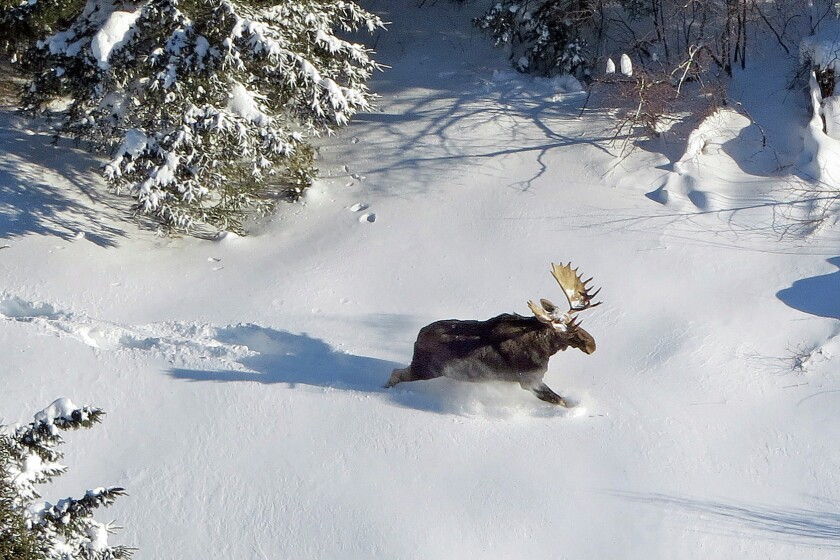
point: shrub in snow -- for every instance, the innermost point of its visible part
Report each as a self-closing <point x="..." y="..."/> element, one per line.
<point x="39" y="530"/>
<point x="544" y="35"/>
<point x="207" y="106"/>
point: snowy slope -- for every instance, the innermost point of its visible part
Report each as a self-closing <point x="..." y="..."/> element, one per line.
<point x="242" y="378"/>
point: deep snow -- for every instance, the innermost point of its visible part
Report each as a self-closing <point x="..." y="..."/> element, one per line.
<point x="242" y="378"/>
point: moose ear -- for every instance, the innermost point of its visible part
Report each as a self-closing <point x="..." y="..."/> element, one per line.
<point x="549" y="307"/>
<point x="539" y="312"/>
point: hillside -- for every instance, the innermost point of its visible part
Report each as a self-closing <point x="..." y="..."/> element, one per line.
<point x="242" y="378"/>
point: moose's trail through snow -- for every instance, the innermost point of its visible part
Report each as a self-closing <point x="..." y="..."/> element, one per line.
<point x="242" y="379"/>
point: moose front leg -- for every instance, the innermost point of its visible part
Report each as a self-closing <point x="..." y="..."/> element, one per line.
<point x="544" y="393"/>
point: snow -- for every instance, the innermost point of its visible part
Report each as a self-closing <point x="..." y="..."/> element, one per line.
<point x="626" y="65"/>
<point x="823" y="48"/>
<point x="98" y="535"/>
<point x="242" y="380"/>
<point x="30" y="472"/>
<point x="60" y="409"/>
<point x="135" y="142"/>
<point x="243" y="103"/>
<point x="114" y="33"/>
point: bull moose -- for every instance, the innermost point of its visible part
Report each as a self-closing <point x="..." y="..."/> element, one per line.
<point x="508" y="347"/>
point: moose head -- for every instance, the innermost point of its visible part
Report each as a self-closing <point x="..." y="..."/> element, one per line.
<point x="577" y="295"/>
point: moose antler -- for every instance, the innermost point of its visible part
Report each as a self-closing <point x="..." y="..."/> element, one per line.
<point x="577" y="294"/>
<point x="574" y="288"/>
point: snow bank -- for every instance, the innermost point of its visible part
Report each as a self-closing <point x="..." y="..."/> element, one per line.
<point x="821" y="52"/>
<point x="822" y="49"/>
<point x="820" y="158"/>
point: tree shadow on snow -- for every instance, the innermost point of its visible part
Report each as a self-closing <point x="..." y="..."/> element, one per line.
<point x="458" y="116"/>
<point x="49" y="190"/>
<point x="819" y="295"/>
<point x="789" y="525"/>
<point x="297" y="359"/>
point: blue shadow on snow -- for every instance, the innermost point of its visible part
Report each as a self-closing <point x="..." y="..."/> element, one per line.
<point x="819" y="295"/>
<point x="283" y="357"/>
<point x="797" y="526"/>
<point x="49" y="190"/>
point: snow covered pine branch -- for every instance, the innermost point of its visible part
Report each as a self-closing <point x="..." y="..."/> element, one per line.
<point x="206" y="106"/>
<point x="65" y="530"/>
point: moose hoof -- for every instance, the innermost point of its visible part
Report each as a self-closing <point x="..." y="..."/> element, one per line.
<point x="560" y="401"/>
<point x="545" y="394"/>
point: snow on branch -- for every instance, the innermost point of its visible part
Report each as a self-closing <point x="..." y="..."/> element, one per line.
<point x="33" y="446"/>
<point x="29" y="456"/>
<point x="206" y="107"/>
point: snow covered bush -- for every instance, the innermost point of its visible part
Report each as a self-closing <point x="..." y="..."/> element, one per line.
<point x="545" y="36"/>
<point x="39" y="530"/>
<point x="206" y="106"/>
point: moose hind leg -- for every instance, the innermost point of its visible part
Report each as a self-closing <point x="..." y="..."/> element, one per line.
<point x="544" y="393"/>
<point x="398" y="376"/>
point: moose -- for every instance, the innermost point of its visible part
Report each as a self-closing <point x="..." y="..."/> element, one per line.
<point x="508" y="347"/>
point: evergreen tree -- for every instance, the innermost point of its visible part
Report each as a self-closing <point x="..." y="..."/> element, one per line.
<point x="546" y="36"/>
<point x="23" y="23"/>
<point x="206" y="106"/>
<point x="62" y="531"/>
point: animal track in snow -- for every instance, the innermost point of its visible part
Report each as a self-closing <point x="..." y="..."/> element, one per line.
<point x="202" y="352"/>
<point x="175" y="342"/>
<point x="367" y="217"/>
<point x="21" y="310"/>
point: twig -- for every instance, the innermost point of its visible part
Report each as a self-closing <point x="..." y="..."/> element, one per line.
<point x="743" y="110"/>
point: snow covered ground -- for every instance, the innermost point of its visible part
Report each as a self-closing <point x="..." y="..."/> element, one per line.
<point x="242" y="378"/>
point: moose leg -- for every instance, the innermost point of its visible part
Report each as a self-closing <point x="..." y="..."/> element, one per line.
<point x="544" y="393"/>
<point x="398" y="376"/>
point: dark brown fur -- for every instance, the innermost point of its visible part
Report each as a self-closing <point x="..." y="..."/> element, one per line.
<point x="505" y="348"/>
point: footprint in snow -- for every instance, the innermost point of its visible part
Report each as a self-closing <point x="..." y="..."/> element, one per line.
<point x="22" y="310"/>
